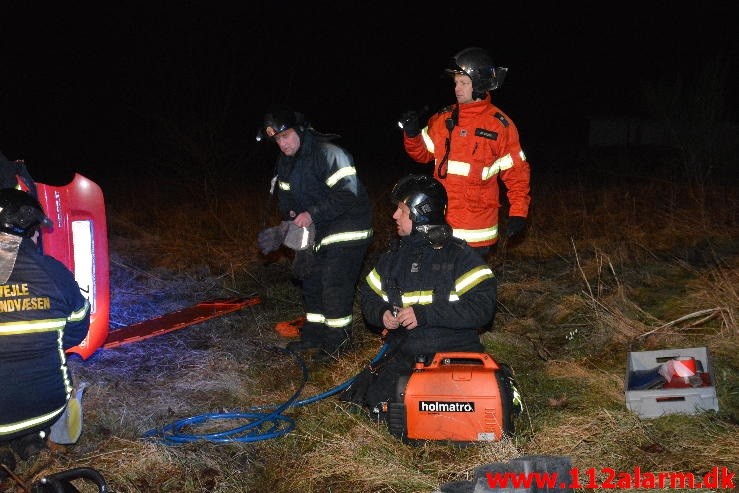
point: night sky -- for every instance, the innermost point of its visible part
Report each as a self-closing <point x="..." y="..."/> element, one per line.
<point x="105" y="86"/>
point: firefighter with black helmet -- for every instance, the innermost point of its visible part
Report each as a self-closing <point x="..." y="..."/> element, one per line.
<point x="319" y="191"/>
<point x="429" y="292"/>
<point x="472" y="144"/>
<point x="42" y="314"/>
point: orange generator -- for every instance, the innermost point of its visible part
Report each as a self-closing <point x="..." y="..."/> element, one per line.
<point x="459" y="397"/>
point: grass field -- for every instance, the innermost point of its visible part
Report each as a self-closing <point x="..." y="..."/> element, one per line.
<point x="617" y="258"/>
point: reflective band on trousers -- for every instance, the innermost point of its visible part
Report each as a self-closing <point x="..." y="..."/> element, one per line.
<point x="476" y="235"/>
<point x="329" y="322"/>
<point x="347" y="236"/>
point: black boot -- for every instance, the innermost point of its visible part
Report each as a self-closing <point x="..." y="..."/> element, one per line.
<point x="335" y="343"/>
<point x="303" y="346"/>
<point x="311" y="339"/>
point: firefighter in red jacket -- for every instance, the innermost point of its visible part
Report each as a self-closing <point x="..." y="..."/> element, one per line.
<point x="473" y="143"/>
<point x="42" y="314"/>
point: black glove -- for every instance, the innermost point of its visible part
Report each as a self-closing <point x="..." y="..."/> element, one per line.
<point x="516" y="225"/>
<point x="270" y="239"/>
<point x="409" y="123"/>
<point x="357" y="391"/>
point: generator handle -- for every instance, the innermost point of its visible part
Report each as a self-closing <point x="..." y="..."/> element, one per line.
<point x="485" y="359"/>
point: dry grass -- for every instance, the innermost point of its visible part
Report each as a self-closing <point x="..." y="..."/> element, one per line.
<point x="609" y="266"/>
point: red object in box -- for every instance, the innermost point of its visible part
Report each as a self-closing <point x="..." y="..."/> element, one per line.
<point x="656" y="402"/>
<point x="678" y="383"/>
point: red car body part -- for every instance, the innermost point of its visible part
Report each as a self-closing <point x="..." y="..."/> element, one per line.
<point x="79" y="239"/>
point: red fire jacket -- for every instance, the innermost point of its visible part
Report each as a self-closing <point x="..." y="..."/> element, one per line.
<point x="484" y="145"/>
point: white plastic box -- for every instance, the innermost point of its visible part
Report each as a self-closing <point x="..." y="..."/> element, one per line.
<point x="653" y="403"/>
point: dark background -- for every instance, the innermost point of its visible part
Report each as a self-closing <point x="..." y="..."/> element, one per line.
<point x="118" y="89"/>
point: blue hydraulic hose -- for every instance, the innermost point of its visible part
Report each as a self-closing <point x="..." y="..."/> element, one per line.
<point x="260" y="426"/>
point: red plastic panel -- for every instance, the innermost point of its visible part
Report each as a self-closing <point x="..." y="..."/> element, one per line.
<point x="79" y="239"/>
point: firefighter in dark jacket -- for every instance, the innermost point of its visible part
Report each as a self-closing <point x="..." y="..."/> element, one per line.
<point x="428" y="293"/>
<point x="318" y="190"/>
<point x="42" y="314"/>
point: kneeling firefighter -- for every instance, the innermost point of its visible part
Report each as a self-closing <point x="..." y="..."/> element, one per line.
<point x="42" y="314"/>
<point x="428" y="293"/>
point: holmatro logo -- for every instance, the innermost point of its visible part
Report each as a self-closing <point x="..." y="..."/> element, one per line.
<point x="446" y="407"/>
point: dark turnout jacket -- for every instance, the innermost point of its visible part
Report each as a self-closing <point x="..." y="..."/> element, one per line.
<point x="322" y="180"/>
<point x="452" y="291"/>
<point x="42" y="314"/>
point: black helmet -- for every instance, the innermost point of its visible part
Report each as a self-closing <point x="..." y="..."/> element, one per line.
<point x="279" y="118"/>
<point x="477" y="64"/>
<point x="20" y="213"/>
<point x="426" y="198"/>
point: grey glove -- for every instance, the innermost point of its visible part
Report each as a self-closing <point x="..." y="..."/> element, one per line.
<point x="298" y="238"/>
<point x="270" y="239"/>
<point x="409" y="122"/>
